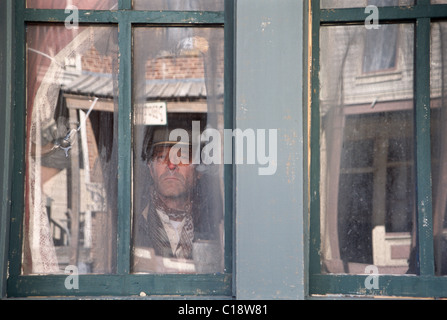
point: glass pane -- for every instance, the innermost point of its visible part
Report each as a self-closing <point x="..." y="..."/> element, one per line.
<point x="329" y="4"/>
<point x="438" y="63"/>
<point x="71" y="162"/>
<point x="367" y="181"/>
<point x="80" y="4"/>
<point x="181" y="5"/>
<point x="438" y="1"/>
<point x="178" y="186"/>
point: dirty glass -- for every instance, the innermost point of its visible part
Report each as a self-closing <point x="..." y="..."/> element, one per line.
<point x="80" y="4"/>
<point x="70" y="211"/>
<point x="438" y="92"/>
<point x="330" y="4"/>
<point x="366" y="150"/>
<point x="182" y="5"/>
<point x="178" y="132"/>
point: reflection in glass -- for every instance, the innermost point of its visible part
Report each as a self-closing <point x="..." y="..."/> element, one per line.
<point x="378" y="55"/>
<point x="329" y="4"/>
<point x="80" y="4"/>
<point x="70" y="216"/>
<point x="366" y="150"/>
<point x="178" y="196"/>
<point x="181" y="5"/>
<point x="438" y="1"/>
<point x="438" y="63"/>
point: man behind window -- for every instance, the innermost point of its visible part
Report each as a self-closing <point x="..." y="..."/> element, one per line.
<point x="175" y="220"/>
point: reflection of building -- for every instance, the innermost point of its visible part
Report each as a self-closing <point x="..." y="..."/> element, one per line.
<point x="89" y="101"/>
<point x="177" y="80"/>
<point x="368" y="194"/>
<point x="273" y="253"/>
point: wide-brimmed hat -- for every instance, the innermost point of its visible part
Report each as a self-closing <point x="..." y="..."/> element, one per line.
<point x="159" y="136"/>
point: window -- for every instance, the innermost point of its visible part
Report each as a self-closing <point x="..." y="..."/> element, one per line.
<point x="112" y="89"/>
<point x="380" y="48"/>
<point x="379" y="54"/>
<point x="377" y="197"/>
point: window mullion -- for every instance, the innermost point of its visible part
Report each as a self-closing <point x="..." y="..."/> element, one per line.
<point x="229" y="124"/>
<point x="19" y="114"/>
<point x="423" y="150"/>
<point x="314" y="178"/>
<point x="124" y="4"/>
<point x="423" y="2"/>
<point x="124" y="145"/>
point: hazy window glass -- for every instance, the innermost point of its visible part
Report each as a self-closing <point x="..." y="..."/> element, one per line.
<point x="367" y="162"/>
<point x="327" y="4"/>
<point x="80" y="4"/>
<point x="70" y="216"/>
<point x="178" y="193"/>
<point x="380" y="52"/>
<point x="438" y="93"/>
<point x="182" y="5"/>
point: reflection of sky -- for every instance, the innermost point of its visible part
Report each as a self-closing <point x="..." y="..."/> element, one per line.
<point x="80" y="4"/>
<point x="205" y="5"/>
<point x="202" y="5"/>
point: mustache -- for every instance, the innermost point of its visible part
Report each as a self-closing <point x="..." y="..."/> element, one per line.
<point x="171" y="174"/>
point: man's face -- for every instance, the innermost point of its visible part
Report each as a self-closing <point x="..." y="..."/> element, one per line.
<point x="171" y="180"/>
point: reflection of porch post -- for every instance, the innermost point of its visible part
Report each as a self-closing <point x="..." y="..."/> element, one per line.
<point x="379" y="184"/>
<point x="440" y="190"/>
<point x="440" y="197"/>
<point x="335" y="122"/>
<point x="85" y="154"/>
<point x="379" y="200"/>
<point x="73" y="185"/>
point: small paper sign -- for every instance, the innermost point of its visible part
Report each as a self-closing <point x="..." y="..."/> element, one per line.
<point x="151" y="113"/>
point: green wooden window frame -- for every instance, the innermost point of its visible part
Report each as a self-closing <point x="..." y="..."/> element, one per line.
<point x="122" y="283"/>
<point x="426" y="284"/>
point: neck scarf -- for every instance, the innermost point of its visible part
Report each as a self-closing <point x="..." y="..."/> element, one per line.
<point x="158" y="234"/>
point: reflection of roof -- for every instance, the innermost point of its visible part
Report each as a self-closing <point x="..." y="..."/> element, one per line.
<point x="101" y="85"/>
